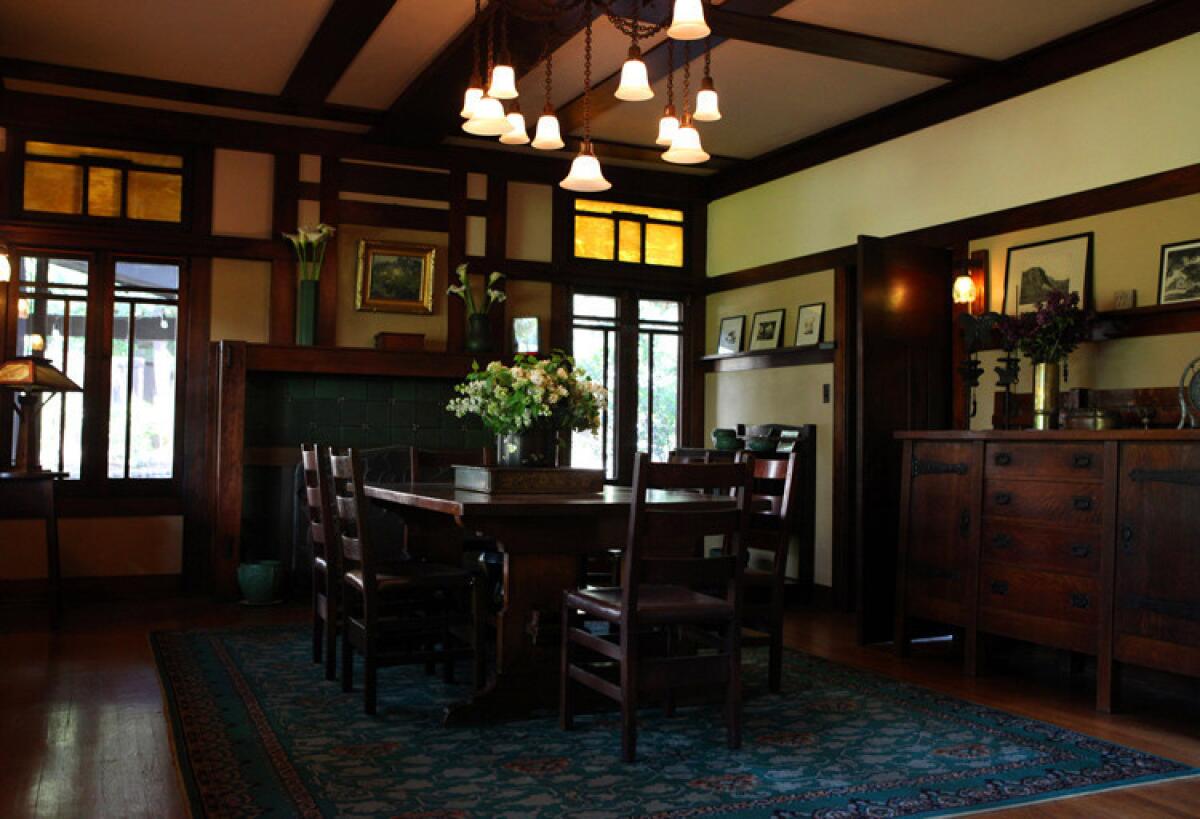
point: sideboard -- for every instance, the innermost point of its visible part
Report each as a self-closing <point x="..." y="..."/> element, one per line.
<point x="1080" y="540"/>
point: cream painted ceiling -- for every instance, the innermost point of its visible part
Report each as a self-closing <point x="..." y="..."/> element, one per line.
<point x="769" y="96"/>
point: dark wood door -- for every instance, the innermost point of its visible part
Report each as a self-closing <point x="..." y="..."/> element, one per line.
<point x="1157" y="596"/>
<point x="903" y="381"/>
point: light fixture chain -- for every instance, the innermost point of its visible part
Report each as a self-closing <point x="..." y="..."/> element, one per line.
<point x="708" y="57"/>
<point x="670" y="72"/>
<point x="587" y="75"/>
<point x="478" y="57"/>
<point x="687" y="74"/>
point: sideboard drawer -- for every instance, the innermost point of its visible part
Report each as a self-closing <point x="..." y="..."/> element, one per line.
<point x="1067" y="504"/>
<point x="1038" y="546"/>
<point x="1051" y="460"/>
<point x="1049" y="595"/>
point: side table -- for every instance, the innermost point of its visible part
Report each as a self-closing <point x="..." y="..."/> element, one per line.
<point x="30" y="496"/>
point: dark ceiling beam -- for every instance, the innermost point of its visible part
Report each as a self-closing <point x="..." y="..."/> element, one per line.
<point x="1125" y="35"/>
<point x="178" y="91"/>
<point x="570" y="115"/>
<point x="342" y="34"/>
<point x="843" y="45"/>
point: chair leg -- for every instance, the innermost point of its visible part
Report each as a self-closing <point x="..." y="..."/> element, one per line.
<point x="669" y="696"/>
<point x="733" y="691"/>
<point x="318" y="630"/>
<point x="448" y="668"/>
<point x="370" y="678"/>
<point x="331" y="630"/>
<point x="347" y="659"/>
<point x="566" y="703"/>
<point x="629" y="699"/>
<point x="478" y="636"/>
<point x="775" y="670"/>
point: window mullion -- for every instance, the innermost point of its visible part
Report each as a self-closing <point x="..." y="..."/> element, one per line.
<point x="94" y="468"/>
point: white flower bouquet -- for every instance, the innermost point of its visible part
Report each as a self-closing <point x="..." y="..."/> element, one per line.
<point x="309" y="244"/>
<point x="550" y="392"/>
<point x="492" y="295"/>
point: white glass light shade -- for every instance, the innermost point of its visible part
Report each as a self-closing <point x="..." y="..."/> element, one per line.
<point x="547" y="136"/>
<point x="668" y="126"/>
<point x="708" y="108"/>
<point x="585" y="175"/>
<point x="488" y="119"/>
<point x="635" y="83"/>
<point x="517" y="136"/>
<point x="5" y="267"/>
<point x="687" y="21"/>
<point x="964" y="289"/>
<point x="471" y="99"/>
<point x="685" y="148"/>
<point x="504" y="83"/>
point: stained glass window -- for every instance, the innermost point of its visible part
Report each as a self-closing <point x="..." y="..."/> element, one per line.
<point x="634" y="234"/>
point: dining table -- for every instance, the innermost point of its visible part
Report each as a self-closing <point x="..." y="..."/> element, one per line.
<point x="542" y="539"/>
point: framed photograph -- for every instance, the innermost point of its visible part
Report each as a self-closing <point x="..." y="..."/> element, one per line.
<point x="394" y="278"/>
<point x="766" y="330"/>
<point x="525" y="334"/>
<point x="730" y="339"/>
<point x="810" y="324"/>
<point x="1179" y="272"/>
<point x="1034" y="270"/>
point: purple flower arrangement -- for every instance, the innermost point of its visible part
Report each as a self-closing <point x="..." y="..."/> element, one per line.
<point x="1049" y="334"/>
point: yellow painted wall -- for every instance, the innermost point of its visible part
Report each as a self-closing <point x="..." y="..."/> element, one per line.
<point x="241" y="300"/>
<point x="99" y="547"/>
<point x="786" y="395"/>
<point x="1135" y="117"/>
<point x="1126" y="255"/>
<point x="358" y="328"/>
<point x="530" y="222"/>
<point x="243" y="193"/>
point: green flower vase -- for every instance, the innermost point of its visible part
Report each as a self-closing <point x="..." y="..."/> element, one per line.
<point x="306" y="312"/>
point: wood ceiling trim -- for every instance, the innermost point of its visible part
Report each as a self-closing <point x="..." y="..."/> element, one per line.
<point x="1109" y="41"/>
<point x="32" y="71"/>
<point x="341" y="36"/>
<point x="843" y="45"/>
<point x="570" y="115"/>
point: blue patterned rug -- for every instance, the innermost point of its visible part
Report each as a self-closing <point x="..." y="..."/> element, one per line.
<point x="258" y="731"/>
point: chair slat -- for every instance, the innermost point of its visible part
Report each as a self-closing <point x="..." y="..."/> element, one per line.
<point x="706" y="572"/>
<point x="692" y="523"/>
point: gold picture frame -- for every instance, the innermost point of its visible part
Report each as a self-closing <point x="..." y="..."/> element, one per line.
<point x="393" y="277"/>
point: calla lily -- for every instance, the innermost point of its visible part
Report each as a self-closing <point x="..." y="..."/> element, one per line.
<point x="495" y="277"/>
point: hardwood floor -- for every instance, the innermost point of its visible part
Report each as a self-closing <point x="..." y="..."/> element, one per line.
<point x="82" y="732"/>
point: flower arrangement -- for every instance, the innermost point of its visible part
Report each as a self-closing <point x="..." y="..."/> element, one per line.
<point x="551" y="392"/>
<point x="1049" y="334"/>
<point x="309" y="244"/>
<point x="492" y="295"/>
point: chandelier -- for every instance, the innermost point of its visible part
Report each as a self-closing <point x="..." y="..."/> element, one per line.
<point x="491" y="108"/>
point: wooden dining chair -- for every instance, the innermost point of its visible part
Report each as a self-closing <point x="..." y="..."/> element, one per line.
<point x="660" y="575"/>
<point x="775" y="503"/>
<point x="408" y="613"/>
<point x="326" y="558"/>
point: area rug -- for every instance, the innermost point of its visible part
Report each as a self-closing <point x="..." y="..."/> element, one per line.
<point x="258" y="731"/>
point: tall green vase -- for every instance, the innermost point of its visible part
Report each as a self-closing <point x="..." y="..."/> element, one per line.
<point x="306" y="312"/>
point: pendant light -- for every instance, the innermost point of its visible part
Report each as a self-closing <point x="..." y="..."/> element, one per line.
<point x="547" y="137"/>
<point x="687" y="21"/>
<point x="669" y="123"/>
<point x="504" y="80"/>
<point x="586" y="175"/>
<point x="635" y="82"/>
<point x="474" y="90"/>
<point x="517" y="134"/>
<point x="488" y="118"/>
<point x="685" y="147"/>
<point x="708" y="107"/>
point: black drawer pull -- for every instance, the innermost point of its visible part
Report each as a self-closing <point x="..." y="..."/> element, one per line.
<point x="1081" y="550"/>
<point x="1003" y="459"/>
<point x="1127" y="538"/>
<point x="1082" y="461"/>
<point x="1080" y="601"/>
<point x="1083" y="504"/>
<point x="964" y="523"/>
<point x="1002" y="541"/>
<point x="1003" y="498"/>
<point x="999" y="587"/>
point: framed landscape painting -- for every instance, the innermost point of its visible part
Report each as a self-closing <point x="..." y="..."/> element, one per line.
<point x="1179" y="272"/>
<point x="1034" y="270"/>
<point x="394" y="278"/>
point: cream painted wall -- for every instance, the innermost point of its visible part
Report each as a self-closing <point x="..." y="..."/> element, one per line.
<point x="530" y="222"/>
<point x="1126" y="255"/>
<point x="1135" y="117"/>
<point x="241" y="300"/>
<point x="358" y="329"/>
<point x="95" y="547"/>
<point x="785" y="395"/>
<point x="243" y="193"/>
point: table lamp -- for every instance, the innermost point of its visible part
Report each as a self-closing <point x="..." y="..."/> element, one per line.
<point x="28" y="378"/>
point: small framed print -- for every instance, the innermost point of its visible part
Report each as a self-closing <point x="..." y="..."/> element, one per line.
<point x="1034" y="270"/>
<point x="526" y="334"/>
<point x="394" y="278"/>
<point x="766" y="330"/>
<point x="1179" y="272"/>
<point x="730" y="339"/>
<point x="810" y="324"/>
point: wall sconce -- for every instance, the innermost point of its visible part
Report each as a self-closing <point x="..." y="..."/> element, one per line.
<point x="970" y="283"/>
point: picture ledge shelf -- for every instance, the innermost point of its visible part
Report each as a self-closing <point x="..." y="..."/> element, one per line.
<point x="764" y="359"/>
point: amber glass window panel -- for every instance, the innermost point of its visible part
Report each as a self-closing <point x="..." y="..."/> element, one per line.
<point x="52" y="187"/>
<point x="104" y="192"/>
<point x="155" y="197"/>
<point x="81" y="151"/>
<point x="594" y="237"/>
<point x="664" y="245"/>
<point x="630" y="248"/>
<point x="662" y="214"/>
